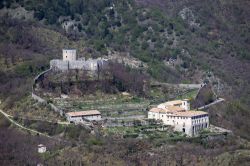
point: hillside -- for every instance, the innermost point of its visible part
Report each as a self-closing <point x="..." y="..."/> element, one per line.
<point x="188" y="41"/>
<point x="169" y="41"/>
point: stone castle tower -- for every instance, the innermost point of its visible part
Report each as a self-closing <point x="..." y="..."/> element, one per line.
<point x="69" y="55"/>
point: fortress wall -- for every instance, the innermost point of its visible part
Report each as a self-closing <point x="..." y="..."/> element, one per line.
<point x="59" y="64"/>
<point x="91" y="64"/>
<point x="78" y="65"/>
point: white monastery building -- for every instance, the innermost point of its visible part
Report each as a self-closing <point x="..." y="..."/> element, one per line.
<point x="81" y="116"/>
<point x="177" y="113"/>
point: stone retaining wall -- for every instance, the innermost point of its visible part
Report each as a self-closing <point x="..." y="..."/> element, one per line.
<point x="40" y="99"/>
<point x="37" y="98"/>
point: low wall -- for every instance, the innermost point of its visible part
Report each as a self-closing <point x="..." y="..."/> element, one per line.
<point x="56" y="109"/>
<point x="190" y="86"/>
<point x="41" y="74"/>
<point x="37" y="98"/>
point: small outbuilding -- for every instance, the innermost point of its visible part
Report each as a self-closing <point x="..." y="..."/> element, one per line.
<point x="41" y="148"/>
<point x="81" y="116"/>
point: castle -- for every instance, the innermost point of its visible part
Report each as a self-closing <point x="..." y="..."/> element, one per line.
<point x="177" y="113"/>
<point x="70" y="62"/>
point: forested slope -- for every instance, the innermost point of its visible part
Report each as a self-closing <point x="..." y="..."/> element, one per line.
<point x="180" y="41"/>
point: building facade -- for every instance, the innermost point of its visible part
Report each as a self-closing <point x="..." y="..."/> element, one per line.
<point x="178" y="114"/>
<point x="82" y="116"/>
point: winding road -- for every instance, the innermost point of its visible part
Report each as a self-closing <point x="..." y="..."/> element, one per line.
<point x="21" y="126"/>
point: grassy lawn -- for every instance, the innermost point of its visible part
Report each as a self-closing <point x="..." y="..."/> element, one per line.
<point x="189" y="95"/>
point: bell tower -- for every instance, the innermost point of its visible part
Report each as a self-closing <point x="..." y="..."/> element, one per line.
<point x="185" y="104"/>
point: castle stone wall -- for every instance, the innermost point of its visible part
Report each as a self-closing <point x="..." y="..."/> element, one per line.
<point x="91" y="64"/>
<point x="59" y="64"/>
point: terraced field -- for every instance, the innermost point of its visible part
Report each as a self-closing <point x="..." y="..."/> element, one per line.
<point x="115" y="106"/>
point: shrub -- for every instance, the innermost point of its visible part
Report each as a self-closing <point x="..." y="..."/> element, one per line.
<point x="94" y="141"/>
<point x="133" y="135"/>
<point x="73" y="132"/>
<point x="4" y="123"/>
<point x="161" y="72"/>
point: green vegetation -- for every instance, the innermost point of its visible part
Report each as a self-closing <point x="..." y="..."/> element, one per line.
<point x="189" y="95"/>
<point x="158" y="134"/>
<point x="4" y="122"/>
<point x="110" y="105"/>
<point x="146" y="33"/>
<point x="29" y="108"/>
<point x="161" y="72"/>
<point x="174" y="49"/>
<point x="117" y="28"/>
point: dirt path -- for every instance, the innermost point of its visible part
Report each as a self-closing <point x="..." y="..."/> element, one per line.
<point x="22" y="127"/>
<point x="43" y="120"/>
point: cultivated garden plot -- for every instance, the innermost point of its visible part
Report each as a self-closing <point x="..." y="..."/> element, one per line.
<point x="114" y="106"/>
<point x="120" y="104"/>
<point x="156" y="133"/>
